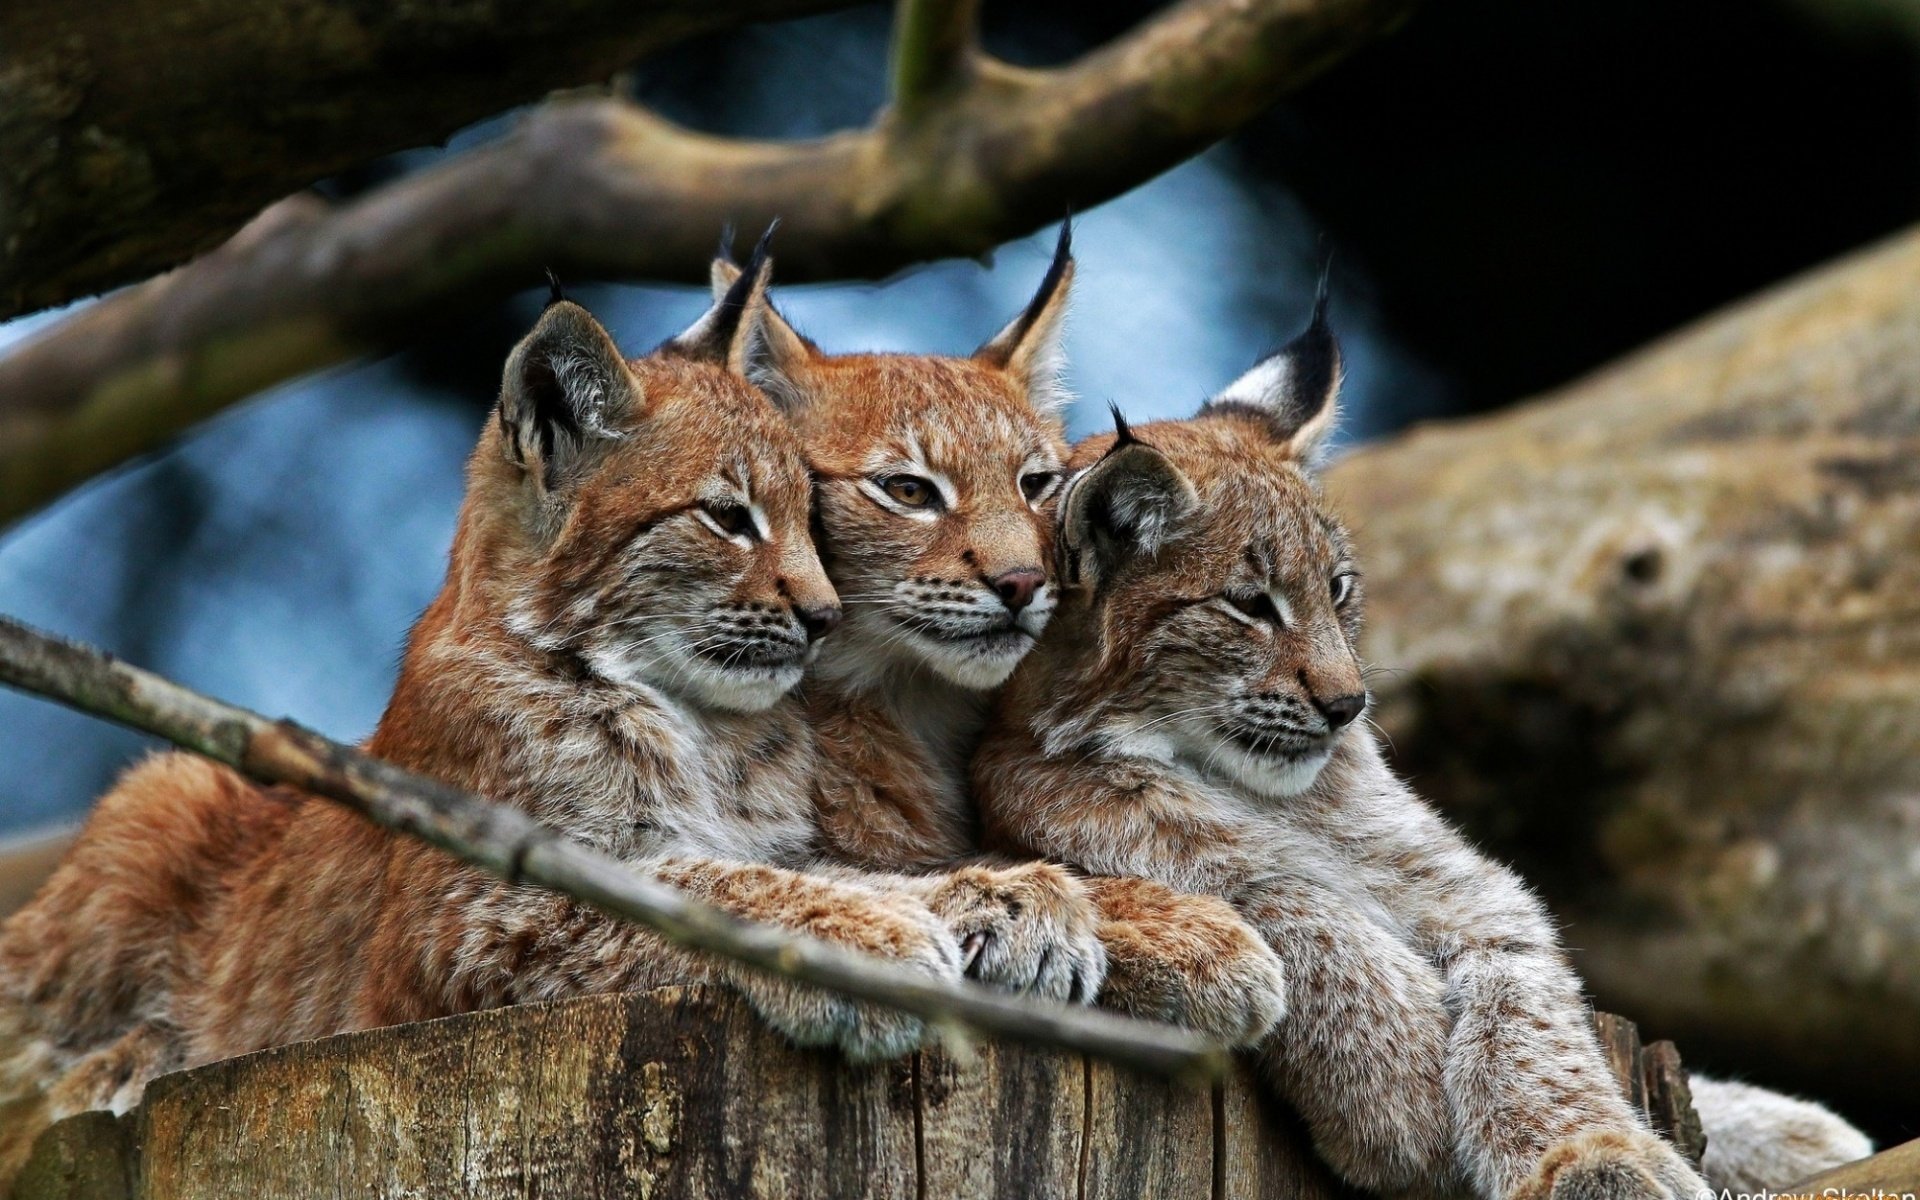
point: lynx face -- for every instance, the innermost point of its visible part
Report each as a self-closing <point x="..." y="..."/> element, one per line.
<point x="936" y="481"/>
<point x="1221" y="601"/>
<point x="664" y="538"/>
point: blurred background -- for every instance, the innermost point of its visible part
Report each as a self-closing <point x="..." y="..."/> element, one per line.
<point x="1513" y="195"/>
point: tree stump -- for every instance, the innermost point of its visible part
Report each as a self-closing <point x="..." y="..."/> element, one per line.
<point x="683" y="1093"/>
<point x="678" y="1093"/>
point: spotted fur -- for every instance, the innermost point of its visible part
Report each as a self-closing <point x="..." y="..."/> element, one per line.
<point x="942" y="600"/>
<point x="1192" y="718"/>
<point x="631" y="595"/>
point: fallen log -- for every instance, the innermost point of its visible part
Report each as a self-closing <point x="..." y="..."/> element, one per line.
<point x="1656" y="639"/>
<point x="678" y="1093"/>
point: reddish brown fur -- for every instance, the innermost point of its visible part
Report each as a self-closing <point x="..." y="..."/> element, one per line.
<point x="898" y="718"/>
<point x="199" y="917"/>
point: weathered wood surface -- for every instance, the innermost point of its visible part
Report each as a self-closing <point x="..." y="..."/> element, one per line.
<point x="683" y="1093"/>
<point x="679" y="1093"/>
<point x="1654" y="1080"/>
<point x="1656" y="640"/>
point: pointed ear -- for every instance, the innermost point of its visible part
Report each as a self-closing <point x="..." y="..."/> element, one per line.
<point x="566" y="387"/>
<point x="1126" y="505"/>
<point x="1294" y="392"/>
<point x="1030" y="347"/>
<point x="775" y="351"/>
<point x="725" y="334"/>
<point x="722" y="275"/>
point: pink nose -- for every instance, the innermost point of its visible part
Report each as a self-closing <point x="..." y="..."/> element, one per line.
<point x="1017" y="587"/>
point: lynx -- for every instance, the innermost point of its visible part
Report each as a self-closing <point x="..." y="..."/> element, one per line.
<point x="937" y="478"/>
<point x="632" y="592"/>
<point x="1193" y="717"/>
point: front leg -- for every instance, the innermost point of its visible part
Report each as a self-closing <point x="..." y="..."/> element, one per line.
<point x="858" y="917"/>
<point x="1363" y="1049"/>
<point x="513" y="944"/>
<point x="1027" y="927"/>
<point x="1187" y="960"/>
<point x="1540" y="1113"/>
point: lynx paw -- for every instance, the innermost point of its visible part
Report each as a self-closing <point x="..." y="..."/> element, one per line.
<point x="1241" y="1000"/>
<point x="895" y="928"/>
<point x="1190" y="961"/>
<point x="1610" y="1164"/>
<point x="1029" y="928"/>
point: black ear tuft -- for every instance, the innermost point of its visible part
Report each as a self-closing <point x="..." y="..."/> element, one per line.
<point x="1029" y="347"/>
<point x="554" y="294"/>
<point x="725" y="251"/>
<point x="1122" y="432"/>
<point x="1023" y="325"/>
<point x="733" y="303"/>
<point x="1294" y="392"/>
<point x="717" y="336"/>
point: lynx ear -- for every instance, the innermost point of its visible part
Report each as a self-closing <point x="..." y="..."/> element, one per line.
<point x="775" y="351"/>
<point x="566" y="386"/>
<point x="727" y="333"/>
<point x="1127" y="504"/>
<point x="1030" y="347"/>
<point x="1294" y="392"/>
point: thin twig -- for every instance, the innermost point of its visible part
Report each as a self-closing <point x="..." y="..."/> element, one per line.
<point x="506" y="842"/>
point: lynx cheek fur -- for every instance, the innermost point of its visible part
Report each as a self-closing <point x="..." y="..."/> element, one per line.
<point x="937" y="482"/>
<point x="631" y="592"/>
<point x="1191" y="718"/>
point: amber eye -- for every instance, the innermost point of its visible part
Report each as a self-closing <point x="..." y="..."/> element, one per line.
<point x="1341" y="588"/>
<point x="1258" y="605"/>
<point x="1036" y="484"/>
<point x="908" y="490"/>
<point x="731" y="519"/>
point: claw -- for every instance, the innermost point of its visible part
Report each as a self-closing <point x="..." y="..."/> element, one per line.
<point x="971" y="949"/>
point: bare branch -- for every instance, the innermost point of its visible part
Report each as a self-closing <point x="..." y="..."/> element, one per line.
<point x="602" y="188"/>
<point x="137" y="133"/>
<point x="934" y="44"/>
<point x="506" y="842"/>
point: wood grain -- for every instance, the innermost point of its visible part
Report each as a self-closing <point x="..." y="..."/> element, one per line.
<point x="677" y="1094"/>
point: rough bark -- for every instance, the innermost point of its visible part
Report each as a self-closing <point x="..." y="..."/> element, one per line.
<point x="504" y="841"/>
<point x="1656" y="638"/>
<point x="676" y="1093"/>
<point x="671" y="1094"/>
<point x="974" y="153"/>
<point x="137" y="133"/>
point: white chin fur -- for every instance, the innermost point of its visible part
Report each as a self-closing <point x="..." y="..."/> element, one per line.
<point x="748" y="690"/>
<point x="1278" y="778"/>
<point x="751" y="691"/>
<point x="971" y="666"/>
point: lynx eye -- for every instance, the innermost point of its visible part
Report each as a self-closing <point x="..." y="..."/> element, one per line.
<point x="1036" y="484"/>
<point x="731" y="520"/>
<point x="1257" y="605"/>
<point x="1341" y="588"/>
<point x="909" y="491"/>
